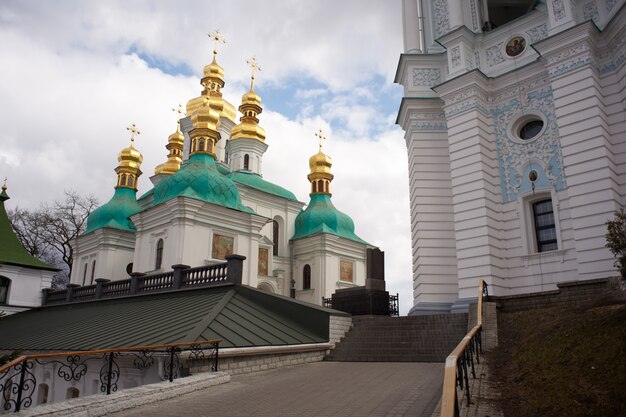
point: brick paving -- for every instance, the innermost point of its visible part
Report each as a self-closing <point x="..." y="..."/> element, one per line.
<point x="315" y="389"/>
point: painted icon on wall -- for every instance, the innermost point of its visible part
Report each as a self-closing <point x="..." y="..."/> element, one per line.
<point x="222" y="246"/>
<point x="263" y="256"/>
<point x="515" y="46"/>
<point x="345" y="271"/>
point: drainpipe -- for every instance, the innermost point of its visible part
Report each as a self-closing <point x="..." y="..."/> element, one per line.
<point x="292" y="282"/>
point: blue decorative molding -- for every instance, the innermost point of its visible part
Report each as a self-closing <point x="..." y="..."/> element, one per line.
<point x="538" y="33"/>
<point x="455" y="56"/>
<point x="426" y="77"/>
<point x="441" y="17"/>
<point x="515" y="156"/>
<point x="590" y="11"/>
<point x="559" y="9"/>
<point x="494" y="54"/>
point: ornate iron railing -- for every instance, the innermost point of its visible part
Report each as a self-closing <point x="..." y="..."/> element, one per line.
<point x="461" y="360"/>
<point x="180" y="277"/>
<point x="394" y="306"/>
<point x="19" y="378"/>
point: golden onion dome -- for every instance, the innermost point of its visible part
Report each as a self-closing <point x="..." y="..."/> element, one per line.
<point x="219" y="104"/>
<point x="175" y="144"/>
<point x="251" y="98"/>
<point x="130" y="157"/>
<point x="320" y="163"/>
<point x="214" y="71"/>
<point x="205" y="117"/>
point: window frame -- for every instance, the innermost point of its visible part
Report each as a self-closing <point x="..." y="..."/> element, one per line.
<point x="5" y="282"/>
<point x="306" y="278"/>
<point x="527" y="221"/>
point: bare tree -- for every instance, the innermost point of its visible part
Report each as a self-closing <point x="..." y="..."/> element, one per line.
<point x="48" y="231"/>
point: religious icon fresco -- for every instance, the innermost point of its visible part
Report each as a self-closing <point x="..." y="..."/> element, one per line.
<point x="515" y="46"/>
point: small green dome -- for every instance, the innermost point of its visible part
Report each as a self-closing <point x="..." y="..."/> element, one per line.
<point x="322" y="217"/>
<point x="200" y="179"/>
<point x="116" y="213"/>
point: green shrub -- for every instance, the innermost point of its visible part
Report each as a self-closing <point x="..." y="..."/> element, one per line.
<point x="616" y="240"/>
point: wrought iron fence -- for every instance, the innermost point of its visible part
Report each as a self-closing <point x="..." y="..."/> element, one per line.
<point x="461" y="360"/>
<point x="20" y="378"/>
<point x="182" y="276"/>
<point x="394" y="306"/>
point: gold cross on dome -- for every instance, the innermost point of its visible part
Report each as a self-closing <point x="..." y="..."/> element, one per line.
<point x="181" y="113"/>
<point x="320" y="135"/>
<point x="217" y="38"/>
<point x="255" y="67"/>
<point x="133" y="131"/>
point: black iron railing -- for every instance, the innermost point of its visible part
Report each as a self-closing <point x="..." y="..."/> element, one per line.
<point x="181" y="276"/>
<point x="394" y="306"/>
<point x="21" y="378"/>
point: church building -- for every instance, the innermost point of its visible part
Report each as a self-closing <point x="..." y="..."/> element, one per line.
<point x="515" y="127"/>
<point x="210" y="200"/>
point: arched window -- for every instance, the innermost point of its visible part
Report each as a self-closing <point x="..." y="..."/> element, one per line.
<point x="314" y="183"/>
<point x="42" y="394"/>
<point x="123" y="180"/>
<point x="201" y="148"/>
<point x="246" y="161"/>
<point x="72" y="393"/>
<point x="306" y="277"/>
<point x="275" y="237"/>
<point x="93" y="270"/>
<point x="131" y="181"/>
<point x="320" y="186"/>
<point x="159" y="254"/>
<point x="5" y="283"/>
<point x="85" y="273"/>
<point x="545" y="227"/>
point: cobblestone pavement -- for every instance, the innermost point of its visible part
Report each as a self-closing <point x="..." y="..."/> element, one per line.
<point x="357" y="389"/>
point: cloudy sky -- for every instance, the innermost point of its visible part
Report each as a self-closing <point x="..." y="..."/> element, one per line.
<point x="75" y="74"/>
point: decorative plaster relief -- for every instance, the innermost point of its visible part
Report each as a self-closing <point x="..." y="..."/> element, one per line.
<point x="427" y="126"/>
<point x="538" y="33"/>
<point x="468" y="58"/>
<point x="514" y="156"/>
<point x="455" y="56"/>
<point x="441" y="21"/>
<point x="590" y="11"/>
<point x="426" y="77"/>
<point x="559" y="10"/>
<point x="616" y="55"/>
<point x="474" y="13"/>
<point x="610" y="4"/>
<point x="494" y="54"/>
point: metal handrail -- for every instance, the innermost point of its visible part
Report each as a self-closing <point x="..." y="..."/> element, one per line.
<point x="458" y="363"/>
<point x="17" y="378"/>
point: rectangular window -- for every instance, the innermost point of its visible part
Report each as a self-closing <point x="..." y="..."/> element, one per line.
<point x="345" y="271"/>
<point x="263" y="256"/>
<point x="222" y="246"/>
<point x="545" y="228"/>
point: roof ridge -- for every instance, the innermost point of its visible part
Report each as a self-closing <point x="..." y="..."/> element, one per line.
<point x="206" y="321"/>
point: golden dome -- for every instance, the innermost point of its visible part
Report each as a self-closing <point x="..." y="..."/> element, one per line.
<point x="175" y="144"/>
<point x="130" y="157"/>
<point x="218" y="103"/>
<point x="205" y="117"/>
<point x="214" y="71"/>
<point x="320" y="163"/>
<point x="250" y="108"/>
<point x="128" y="169"/>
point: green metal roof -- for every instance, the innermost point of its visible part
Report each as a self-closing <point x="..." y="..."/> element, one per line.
<point x="11" y="250"/>
<point x="239" y="315"/>
<point x="257" y="182"/>
<point x="200" y="179"/>
<point x="321" y="216"/>
<point x="222" y="169"/>
<point x="116" y="213"/>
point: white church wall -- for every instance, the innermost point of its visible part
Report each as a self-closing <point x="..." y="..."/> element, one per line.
<point x="25" y="287"/>
<point x="111" y="249"/>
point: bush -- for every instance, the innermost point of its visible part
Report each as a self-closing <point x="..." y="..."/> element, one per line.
<point x="616" y="240"/>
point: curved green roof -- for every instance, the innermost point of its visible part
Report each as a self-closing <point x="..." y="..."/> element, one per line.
<point x="257" y="182"/>
<point x="11" y="250"/>
<point x="222" y="169"/>
<point x="321" y="216"/>
<point x="116" y="213"/>
<point x="200" y="179"/>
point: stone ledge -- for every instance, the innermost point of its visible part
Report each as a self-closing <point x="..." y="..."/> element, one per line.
<point x="99" y="405"/>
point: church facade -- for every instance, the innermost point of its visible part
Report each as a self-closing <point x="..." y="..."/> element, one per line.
<point x="210" y="200"/>
<point x="515" y="126"/>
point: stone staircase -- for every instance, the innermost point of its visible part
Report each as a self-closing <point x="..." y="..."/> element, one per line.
<point x="400" y="339"/>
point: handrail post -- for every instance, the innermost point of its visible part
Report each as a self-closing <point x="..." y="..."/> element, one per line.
<point x="234" y="269"/>
<point x="109" y="373"/>
<point x="217" y="352"/>
<point x="134" y="281"/>
<point x="44" y="295"/>
<point x="172" y="352"/>
<point x="100" y="286"/>
<point x="179" y="273"/>
<point x="69" y="289"/>
<point x="20" y="388"/>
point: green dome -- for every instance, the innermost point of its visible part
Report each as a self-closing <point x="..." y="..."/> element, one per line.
<point x="222" y="169"/>
<point x="116" y="213"/>
<point x="255" y="181"/>
<point x="322" y="217"/>
<point x="200" y="179"/>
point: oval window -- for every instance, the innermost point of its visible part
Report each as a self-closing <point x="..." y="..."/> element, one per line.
<point x="530" y="129"/>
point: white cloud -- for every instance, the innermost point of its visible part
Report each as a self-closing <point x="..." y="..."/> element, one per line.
<point x="70" y="87"/>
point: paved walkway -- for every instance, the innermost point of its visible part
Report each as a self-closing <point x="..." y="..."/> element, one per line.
<point x="316" y="389"/>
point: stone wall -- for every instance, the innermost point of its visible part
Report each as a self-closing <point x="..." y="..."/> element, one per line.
<point x="568" y="293"/>
<point x="338" y="327"/>
<point x="246" y="360"/>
